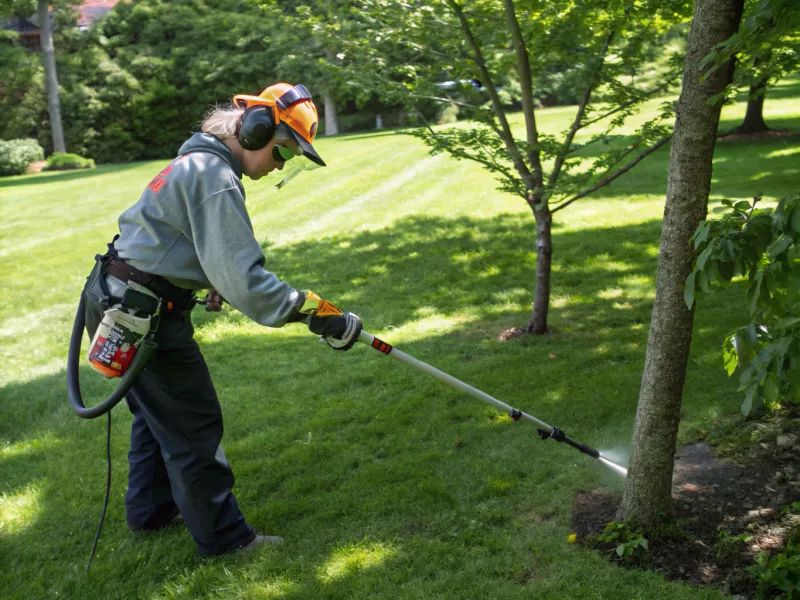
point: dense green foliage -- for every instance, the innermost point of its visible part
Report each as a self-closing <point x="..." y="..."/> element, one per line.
<point x="66" y="161"/>
<point x="760" y="244"/>
<point x="766" y="45"/>
<point x="16" y="155"/>
<point x="779" y="573"/>
<point x="136" y="84"/>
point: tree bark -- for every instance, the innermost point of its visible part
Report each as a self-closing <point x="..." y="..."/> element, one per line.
<point x="331" y="123"/>
<point x="544" y="252"/>
<point x="754" y="117"/>
<point x="53" y="100"/>
<point x="648" y="490"/>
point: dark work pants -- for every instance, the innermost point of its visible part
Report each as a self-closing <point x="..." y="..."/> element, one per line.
<point x="175" y="461"/>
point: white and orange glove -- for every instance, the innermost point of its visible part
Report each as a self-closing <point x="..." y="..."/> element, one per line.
<point x="339" y="329"/>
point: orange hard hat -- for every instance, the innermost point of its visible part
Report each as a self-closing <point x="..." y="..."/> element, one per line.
<point x="292" y="106"/>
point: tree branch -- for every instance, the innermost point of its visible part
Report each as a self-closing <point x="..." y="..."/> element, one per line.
<point x="576" y="124"/>
<point x="604" y="182"/>
<point x="526" y="84"/>
<point x="647" y="95"/>
<point x="506" y="134"/>
<point x="447" y="100"/>
<point x="594" y="140"/>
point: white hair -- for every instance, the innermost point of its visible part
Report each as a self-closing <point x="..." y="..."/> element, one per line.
<point x="223" y="122"/>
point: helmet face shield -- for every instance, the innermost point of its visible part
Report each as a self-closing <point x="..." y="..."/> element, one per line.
<point x="294" y="167"/>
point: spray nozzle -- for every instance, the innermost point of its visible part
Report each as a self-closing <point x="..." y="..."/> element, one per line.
<point x="559" y="436"/>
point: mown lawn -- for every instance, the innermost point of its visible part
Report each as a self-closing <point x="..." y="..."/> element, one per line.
<point x="384" y="482"/>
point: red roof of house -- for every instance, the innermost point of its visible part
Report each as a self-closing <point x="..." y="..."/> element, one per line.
<point x="91" y="10"/>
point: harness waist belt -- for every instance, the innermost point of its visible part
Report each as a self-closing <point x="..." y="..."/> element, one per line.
<point x="174" y="298"/>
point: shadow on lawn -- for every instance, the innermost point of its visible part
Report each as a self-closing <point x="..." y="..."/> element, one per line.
<point x="384" y="451"/>
<point x="742" y="168"/>
<point x="62" y="176"/>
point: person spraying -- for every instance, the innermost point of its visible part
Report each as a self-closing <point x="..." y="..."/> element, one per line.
<point x="189" y="231"/>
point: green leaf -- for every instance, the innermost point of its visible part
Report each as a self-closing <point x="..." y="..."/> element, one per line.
<point x="754" y="293"/>
<point x="750" y="334"/>
<point x="730" y="357"/>
<point x="779" y="246"/>
<point x="742" y="205"/>
<point x="725" y="270"/>
<point x="620" y="550"/>
<point x="701" y="234"/>
<point x="771" y="284"/>
<point x="730" y="249"/>
<point x="794" y="220"/>
<point x="688" y="292"/>
<point x="747" y="405"/>
<point x="786" y="322"/>
<point x="701" y="260"/>
<point x="702" y="281"/>
<point x="771" y="388"/>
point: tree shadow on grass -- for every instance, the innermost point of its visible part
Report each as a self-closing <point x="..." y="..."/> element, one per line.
<point x="339" y="446"/>
<point x="742" y="168"/>
<point x="62" y="176"/>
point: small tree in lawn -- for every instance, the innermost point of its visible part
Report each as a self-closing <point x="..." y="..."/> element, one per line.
<point x="648" y="489"/>
<point x="507" y="45"/>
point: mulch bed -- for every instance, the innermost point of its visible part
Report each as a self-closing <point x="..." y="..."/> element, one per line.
<point x="36" y="167"/>
<point x="711" y="495"/>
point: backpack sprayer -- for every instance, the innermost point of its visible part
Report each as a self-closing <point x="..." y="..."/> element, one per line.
<point x="544" y="430"/>
<point x="121" y="347"/>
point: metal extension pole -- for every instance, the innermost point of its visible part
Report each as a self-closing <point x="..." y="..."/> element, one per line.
<point x="396" y="354"/>
<point x="545" y="430"/>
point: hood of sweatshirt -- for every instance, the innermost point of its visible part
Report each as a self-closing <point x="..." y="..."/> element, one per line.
<point x="205" y="142"/>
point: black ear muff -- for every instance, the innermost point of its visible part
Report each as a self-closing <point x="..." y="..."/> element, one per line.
<point x="256" y="127"/>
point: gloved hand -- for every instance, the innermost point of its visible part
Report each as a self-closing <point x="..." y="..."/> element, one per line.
<point x="338" y="329"/>
<point x="213" y="301"/>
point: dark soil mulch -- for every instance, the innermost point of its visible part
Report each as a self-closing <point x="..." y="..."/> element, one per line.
<point x="714" y="501"/>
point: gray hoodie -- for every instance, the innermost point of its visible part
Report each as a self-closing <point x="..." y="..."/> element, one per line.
<point x="191" y="226"/>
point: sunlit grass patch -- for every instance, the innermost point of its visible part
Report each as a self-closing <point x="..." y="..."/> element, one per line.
<point x="350" y="559"/>
<point x="19" y="510"/>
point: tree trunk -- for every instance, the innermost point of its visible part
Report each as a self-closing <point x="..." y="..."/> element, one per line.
<point x="544" y="252"/>
<point x="331" y="124"/>
<point x="53" y="101"/>
<point x="754" y="117"/>
<point x="648" y="490"/>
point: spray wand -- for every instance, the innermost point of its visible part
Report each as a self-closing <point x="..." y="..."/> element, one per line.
<point x="545" y="431"/>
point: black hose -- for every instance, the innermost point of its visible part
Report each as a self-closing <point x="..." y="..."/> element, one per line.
<point x="108" y="492"/>
<point x="144" y="353"/>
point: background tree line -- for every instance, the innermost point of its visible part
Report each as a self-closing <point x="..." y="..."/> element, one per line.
<point x="137" y="82"/>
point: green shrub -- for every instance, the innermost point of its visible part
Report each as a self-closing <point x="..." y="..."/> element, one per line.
<point x="730" y="548"/>
<point x="16" y="155"/>
<point x="779" y="573"/>
<point x="448" y="114"/>
<point x="63" y="161"/>
<point x="629" y="544"/>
